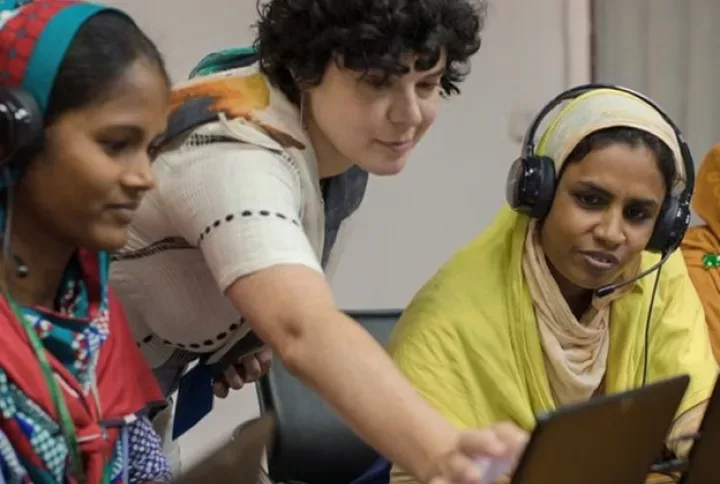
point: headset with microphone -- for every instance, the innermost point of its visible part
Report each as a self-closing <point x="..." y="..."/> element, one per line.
<point x="532" y="181"/>
<point x="21" y="135"/>
<point x="21" y="125"/>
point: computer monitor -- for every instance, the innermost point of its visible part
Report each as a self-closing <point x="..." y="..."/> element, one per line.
<point x="612" y="438"/>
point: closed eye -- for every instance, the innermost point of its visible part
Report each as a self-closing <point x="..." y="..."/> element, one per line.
<point x="376" y="83"/>
<point x="120" y="140"/>
<point x="377" y="80"/>
<point x="115" y="147"/>
<point x="428" y="87"/>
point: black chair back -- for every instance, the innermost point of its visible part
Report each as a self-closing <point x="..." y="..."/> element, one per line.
<point x="312" y="445"/>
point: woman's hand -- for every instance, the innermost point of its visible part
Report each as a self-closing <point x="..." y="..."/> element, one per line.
<point x="247" y="370"/>
<point x="503" y="441"/>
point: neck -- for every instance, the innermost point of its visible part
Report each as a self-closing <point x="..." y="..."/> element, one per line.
<point x="45" y="257"/>
<point x="577" y="298"/>
<point x="329" y="161"/>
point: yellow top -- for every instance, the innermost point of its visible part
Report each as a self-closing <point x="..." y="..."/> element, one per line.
<point x="469" y="340"/>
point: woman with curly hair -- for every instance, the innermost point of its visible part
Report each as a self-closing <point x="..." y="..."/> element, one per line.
<point x="267" y="156"/>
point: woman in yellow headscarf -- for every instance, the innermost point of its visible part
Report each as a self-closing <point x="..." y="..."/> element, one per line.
<point x="701" y="246"/>
<point x="512" y="325"/>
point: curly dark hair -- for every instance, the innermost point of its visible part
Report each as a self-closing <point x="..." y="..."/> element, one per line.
<point x="296" y="39"/>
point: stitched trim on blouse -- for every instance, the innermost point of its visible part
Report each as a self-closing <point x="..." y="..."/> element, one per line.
<point x="243" y="215"/>
<point x="199" y="139"/>
<point x="168" y="243"/>
<point x="194" y="345"/>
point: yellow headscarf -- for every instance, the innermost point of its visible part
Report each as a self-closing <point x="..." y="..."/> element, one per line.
<point x="600" y="109"/>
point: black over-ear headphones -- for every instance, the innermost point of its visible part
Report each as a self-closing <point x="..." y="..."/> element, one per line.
<point x="21" y="126"/>
<point x="531" y="181"/>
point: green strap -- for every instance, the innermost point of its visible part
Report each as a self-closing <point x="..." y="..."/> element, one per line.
<point x="108" y="473"/>
<point x="66" y="423"/>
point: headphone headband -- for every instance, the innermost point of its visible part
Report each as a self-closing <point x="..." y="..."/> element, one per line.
<point x="528" y="148"/>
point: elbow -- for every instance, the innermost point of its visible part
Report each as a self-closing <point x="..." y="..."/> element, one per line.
<point x="289" y="343"/>
<point x="291" y="339"/>
<point x="290" y="308"/>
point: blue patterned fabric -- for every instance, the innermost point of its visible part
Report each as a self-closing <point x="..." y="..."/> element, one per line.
<point x="67" y="334"/>
<point x="146" y="463"/>
<point x="43" y="432"/>
<point x="11" y="470"/>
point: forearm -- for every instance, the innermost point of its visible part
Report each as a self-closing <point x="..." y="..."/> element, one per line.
<point x="290" y="307"/>
<point x="348" y="368"/>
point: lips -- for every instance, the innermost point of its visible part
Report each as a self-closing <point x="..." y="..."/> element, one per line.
<point x="600" y="260"/>
<point x="399" y="148"/>
<point x="124" y="212"/>
<point x="399" y="142"/>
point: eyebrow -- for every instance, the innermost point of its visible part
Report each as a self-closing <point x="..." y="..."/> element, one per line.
<point x="649" y="202"/>
<point x="133" y="129"/>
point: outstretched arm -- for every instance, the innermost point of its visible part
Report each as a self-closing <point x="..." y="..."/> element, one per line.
<point x="242" y="206"/>
<point x="291" y="308"/>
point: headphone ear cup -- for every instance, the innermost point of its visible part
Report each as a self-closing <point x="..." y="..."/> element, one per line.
<point x="21" y="123"/>
<point x="530" y="185"/>
<point x="513" y="184"/>
<point x="672" y="223"/>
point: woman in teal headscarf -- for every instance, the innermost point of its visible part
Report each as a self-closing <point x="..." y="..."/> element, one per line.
<point x="83" y="93"/>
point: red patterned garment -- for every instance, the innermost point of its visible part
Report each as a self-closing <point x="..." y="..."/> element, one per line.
<point x="90" y="326"/>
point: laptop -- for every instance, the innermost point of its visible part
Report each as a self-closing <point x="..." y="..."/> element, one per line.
<point x="613" y="438"/>
<point x="702" y="461"/>
<point x="238" y="460"/>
